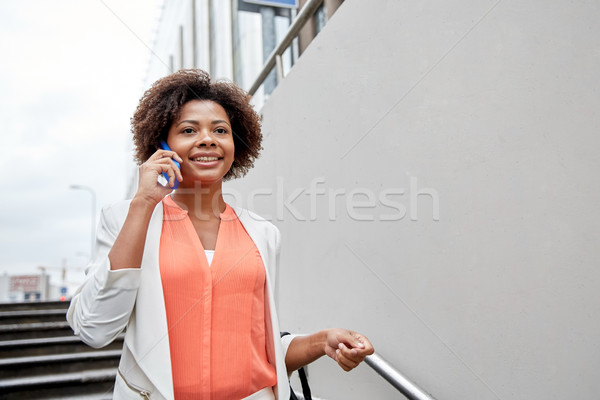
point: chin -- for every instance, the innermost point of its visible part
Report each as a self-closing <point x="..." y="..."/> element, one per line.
<point x="208" y="181"/>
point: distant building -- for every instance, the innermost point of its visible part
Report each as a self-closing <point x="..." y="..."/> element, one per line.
<point x="23" y="288"/>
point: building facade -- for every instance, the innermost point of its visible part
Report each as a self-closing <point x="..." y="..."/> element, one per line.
<point x="230" y="39"/>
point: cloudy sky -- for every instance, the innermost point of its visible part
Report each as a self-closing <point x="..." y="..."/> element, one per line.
<point x="70" y="77"/>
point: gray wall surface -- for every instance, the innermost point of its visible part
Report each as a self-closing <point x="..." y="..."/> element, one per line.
<point x="451" y="149"/>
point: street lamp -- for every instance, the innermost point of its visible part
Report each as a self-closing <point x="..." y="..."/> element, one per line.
<point x="89" y="189"/>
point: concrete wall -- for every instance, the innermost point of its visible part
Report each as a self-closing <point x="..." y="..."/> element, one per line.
<point x="483" y="111"/>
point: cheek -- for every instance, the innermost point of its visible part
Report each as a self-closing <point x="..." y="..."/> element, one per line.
<point x="231" y="148"/>
<point x="231" y="156"/>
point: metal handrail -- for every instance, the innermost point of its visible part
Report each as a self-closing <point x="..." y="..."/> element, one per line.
<point x="404" y="385"/>
<point x="307" y="11"/>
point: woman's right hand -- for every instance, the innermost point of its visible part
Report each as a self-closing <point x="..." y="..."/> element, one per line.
<point x="128" y="249"/>
<point x="149" y="190"/>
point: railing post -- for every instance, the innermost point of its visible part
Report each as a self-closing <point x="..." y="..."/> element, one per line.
<point x="279" y="68"/>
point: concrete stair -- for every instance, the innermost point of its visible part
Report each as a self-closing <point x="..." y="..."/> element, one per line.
<point x="40" y="358"/>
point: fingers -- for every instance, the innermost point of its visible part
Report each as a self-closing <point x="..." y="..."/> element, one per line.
<point x="350" y="348"/>
<point x="150" y="170"/>
<point x="348" y="358"/>
<point x="171" y="170"/>
<point x="149" y="184"/>
<point x="160" y="154"/>
<point x="356" y="341"/>
<point x="162" y="161"/>
<point x="331" y="352"/>
<point x="165" y="161"/>
<point x="362" y="344"/>
<point x="175" y="167"/>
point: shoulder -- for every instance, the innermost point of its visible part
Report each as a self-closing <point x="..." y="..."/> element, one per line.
<point x="117" y="212"/>
<point x="255" y="223"/>
<point x="246" y="215"/>
<point x="117" y="208"/>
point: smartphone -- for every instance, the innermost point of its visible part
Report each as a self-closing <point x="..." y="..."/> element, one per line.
<point x="165" y="146"/>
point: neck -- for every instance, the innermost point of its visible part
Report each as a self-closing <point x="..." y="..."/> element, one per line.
<point x="204" y="201"/>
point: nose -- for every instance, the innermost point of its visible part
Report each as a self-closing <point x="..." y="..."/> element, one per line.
<point x="204" y="139"/>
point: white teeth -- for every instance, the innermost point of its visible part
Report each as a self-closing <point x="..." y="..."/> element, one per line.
<point x="206" y="158"/>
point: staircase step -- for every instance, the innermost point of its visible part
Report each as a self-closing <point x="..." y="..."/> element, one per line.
<point x="34" y="330"/>
<point x="51" y="345"/>
<point x="105" y="395"/>
<point x="41" y="358"/>
<point x="28" y="316"/>
<point x="97" y="382"/>
<point x="30" y="366"/>
<point x="34" y="305"/>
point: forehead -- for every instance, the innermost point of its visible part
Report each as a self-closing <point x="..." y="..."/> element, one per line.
<point x="202" y="109"/>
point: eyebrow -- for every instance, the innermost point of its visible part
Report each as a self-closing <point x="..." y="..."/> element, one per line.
<point x="193" y="122"/>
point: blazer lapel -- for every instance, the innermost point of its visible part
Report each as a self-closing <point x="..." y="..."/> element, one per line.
<point x="260" y="231"/>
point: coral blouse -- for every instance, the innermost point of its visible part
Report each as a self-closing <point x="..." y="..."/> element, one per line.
<point x="216" y="312"/>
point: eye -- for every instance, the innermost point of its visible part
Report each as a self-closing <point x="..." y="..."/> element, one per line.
<point x="188" y="130"/>
<point x="221" y="130"/>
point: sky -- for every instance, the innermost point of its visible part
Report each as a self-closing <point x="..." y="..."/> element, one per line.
<point x="71" y="75"/>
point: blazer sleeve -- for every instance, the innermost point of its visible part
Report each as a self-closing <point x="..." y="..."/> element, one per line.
<point x="101" y="306"/>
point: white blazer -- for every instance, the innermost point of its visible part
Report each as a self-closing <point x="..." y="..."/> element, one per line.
<point x="110" y="301"/>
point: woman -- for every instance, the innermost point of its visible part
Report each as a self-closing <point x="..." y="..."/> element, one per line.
<point x="185" y="273"/>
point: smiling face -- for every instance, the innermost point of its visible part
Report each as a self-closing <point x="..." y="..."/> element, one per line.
<point x="203" y="138"/>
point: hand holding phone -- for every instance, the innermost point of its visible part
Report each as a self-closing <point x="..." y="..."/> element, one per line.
<point x="165" y="146"/>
